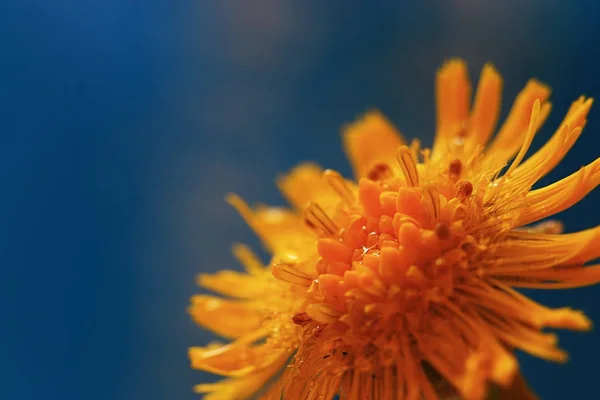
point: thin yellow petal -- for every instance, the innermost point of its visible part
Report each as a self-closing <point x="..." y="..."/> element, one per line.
<point x="552" y="199"/>
<point x="537" y="315"/>
<point x="249" y="260"/>
<point x="235" y="284"/>
<point x="370" y="140"/>
<point x="525" y="251"/>
<point x="280" y="230"/>
<point x="308" y="183"/>
<point x="242" y="387"/>
<point x="453" y="99"/>
<point x="235" y="359"/>
<point x="549" y="155"/>
<point x="531" y="130"/>
<point x="227" y="318"/>
<point x="305" y="383"/>
<point x="510" y="138"/>
<point x="486" y="108"/>
<point x="566" y="277"/>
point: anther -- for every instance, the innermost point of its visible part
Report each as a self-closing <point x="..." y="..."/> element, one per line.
<point x="415" y="146"/>
<point x="318" y="220"/>
<point x="455" y="169"/>
<point x="442" y="230"/>
<point x="464" y="189"/>
<point x="337" y="183"/>
<point x="426" y="154"/>
<point x="469" y="245"/>
<point x="463" y="130"/>
<point x="379" y="172"/>
<point x="301" y="319"/>
<point x="408" y="164"/>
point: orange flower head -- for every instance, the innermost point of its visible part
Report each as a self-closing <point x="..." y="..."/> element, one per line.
<point x="402" y="284"/>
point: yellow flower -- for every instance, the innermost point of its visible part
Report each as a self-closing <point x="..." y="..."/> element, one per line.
<point x="401" y="284"/>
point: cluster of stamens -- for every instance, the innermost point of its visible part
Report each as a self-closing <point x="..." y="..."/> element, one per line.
<point x="386" y="258"/>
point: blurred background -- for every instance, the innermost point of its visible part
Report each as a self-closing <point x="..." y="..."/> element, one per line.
<point x="124" y="123"/>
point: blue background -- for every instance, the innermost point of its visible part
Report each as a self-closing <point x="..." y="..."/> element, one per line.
<point x="124" y="123"/>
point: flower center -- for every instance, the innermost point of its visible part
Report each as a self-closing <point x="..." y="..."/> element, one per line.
<point x="402" y="249"/>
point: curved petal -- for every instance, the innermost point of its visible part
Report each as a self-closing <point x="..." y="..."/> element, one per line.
<point x="453" y="98"/>
<point x="526" y="251"/>
<point x="242" y="387"/>
<point x="552" y="199"/>
<point x="486" y="109"/>
<point x="510" y="138"/>
<point x="308" y="183"/>
<point x="227" y="318"/>
<point x="237" y="284"/>
<point x="370" y="140"/>
<point x="281" y="230"/>
<point x="238" y="358"/>
<point x="549" y="155"/>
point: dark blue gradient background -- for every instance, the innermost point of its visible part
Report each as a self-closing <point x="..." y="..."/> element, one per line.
<point x="124" y="123"/>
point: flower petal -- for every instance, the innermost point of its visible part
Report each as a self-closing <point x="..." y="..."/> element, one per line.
<point x="552" y="199"/>
<point x="486" y="108"/>
<point x="547" y="157"/>
<point x="281" y="230"/>
<point x="228" y="318"/>
<point x="453" y="98"/>
<point x="242" y="387"/>
<point x="308" y="183"/>
<point x="370" y="140"/>
<point x="238" y="358"/>
<point x="510" y="138"/>
<point x="237" y="284"/>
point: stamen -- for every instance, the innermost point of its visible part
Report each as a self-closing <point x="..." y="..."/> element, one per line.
<point x="317" y="219"/>
<point x="426" y="154"/>
<point x="288" y="273"/>
<point x="407" y="162"/>
<point x="431" y="199"/>
<point x="337" y="183"/>
<point x="415" y="146"/>
<point x="323" y="313"/>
